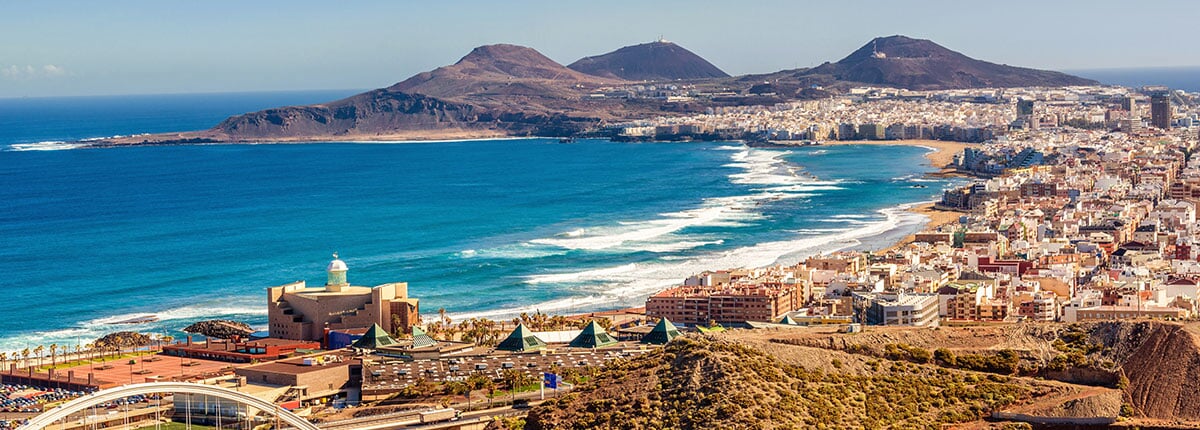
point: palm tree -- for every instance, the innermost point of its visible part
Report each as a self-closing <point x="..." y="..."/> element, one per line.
<point x="475" y="382"/>
<point x="512" y="378"/>
<point x="53" y="354"/>
<point x="457" y="388"/>
<point x="490" y="386"/>
<point x="25" y="357"/>
<point x="3" y="361"/>
<point x="78" y="350"/>
<point x="38" y="352"/>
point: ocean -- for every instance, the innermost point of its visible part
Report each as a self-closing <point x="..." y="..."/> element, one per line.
<point x="478" y="228"/>
<point x="1177" y="78"/>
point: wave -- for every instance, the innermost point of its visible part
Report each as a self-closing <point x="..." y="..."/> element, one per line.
<point x="630" y="284"/>
<point x="580" y="276"/>
<point x="683" y="245"/>
<point x="520" y="251"/>
<point x="759" y="167"/>
<point x="169" y="321"/>
<point x="49" y="145"/>
<point x="766" y="168"/>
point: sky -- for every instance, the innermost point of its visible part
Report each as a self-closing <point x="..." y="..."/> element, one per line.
<point x="68" y="48"/>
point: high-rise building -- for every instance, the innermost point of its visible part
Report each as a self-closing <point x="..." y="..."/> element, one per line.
<point x="1024" y="107"/>
<point x="1160" y="109"/>
<point x="1128" y="104"/>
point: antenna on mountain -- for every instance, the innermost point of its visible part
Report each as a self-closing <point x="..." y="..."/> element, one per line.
<point x="874" y="49"/>
<point x="662" y="39"/>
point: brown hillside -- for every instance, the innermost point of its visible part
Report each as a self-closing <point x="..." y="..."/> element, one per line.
<point x="654" y="61"/>
<point x="736" y="381"/>
<point x="1159" y="361"/>
<point x="921" y="64"/>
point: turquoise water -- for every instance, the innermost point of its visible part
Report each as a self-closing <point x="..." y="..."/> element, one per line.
<point x="480" y="228"/>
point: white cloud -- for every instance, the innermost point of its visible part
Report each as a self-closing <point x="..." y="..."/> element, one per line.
<point x="26" y="72"/>
<point x="52" y="70"/>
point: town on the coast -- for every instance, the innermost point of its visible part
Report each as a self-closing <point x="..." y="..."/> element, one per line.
<point x="1081" y="206"/>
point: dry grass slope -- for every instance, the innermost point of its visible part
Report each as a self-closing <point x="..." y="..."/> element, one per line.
<point x="719" y="382"/>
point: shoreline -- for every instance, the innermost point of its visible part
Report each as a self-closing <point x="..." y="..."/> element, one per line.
<point x="937" y="218"/>
<point x="941" y="157"/>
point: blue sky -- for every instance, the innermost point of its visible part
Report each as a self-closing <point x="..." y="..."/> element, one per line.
<point x="53" y="48"/>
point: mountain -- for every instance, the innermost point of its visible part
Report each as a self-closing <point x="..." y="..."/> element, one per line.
<point x="509" y="90"/>
<point x="920" y="64"/>
<point x="654" y="61"/>
<point x="494" y="90"/>
<point x="498" y="69"/>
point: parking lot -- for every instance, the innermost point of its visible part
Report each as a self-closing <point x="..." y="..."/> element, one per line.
<point x="389" y="375"/>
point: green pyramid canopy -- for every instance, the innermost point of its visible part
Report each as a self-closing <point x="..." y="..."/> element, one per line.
<point x="787" y="319"/>
<point x="521" y="339"/>
<point x="662" y="333"/>
<point x="375" y="338"/>
<point x="422" y="339"/>
<point x="593" y="336"/>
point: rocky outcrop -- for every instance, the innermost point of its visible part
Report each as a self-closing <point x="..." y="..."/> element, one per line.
<point x="1162" y="364"/>
<point x="220" y="329"/>
<point x="122" y="339"/>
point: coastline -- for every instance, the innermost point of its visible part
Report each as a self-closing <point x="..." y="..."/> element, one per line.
<point x="908" y="207"/>
<point x="937" y="218"/>
<point x="941" y="157"/>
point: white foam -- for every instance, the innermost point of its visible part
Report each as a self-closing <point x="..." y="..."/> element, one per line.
<point x="760" y="167"/>
<point x="50" y="145"/>
<point x="765" y="168"/>
<point x="170" y="319"/>
<point x="677" y="246"/>
<point x="518" y="251"/>
<point x="586" y="275"/>
<point x="630" y="284"/>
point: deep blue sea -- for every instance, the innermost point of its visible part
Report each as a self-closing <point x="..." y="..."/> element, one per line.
<point x="480" y="228"/>
<point x="1178" y="78"/>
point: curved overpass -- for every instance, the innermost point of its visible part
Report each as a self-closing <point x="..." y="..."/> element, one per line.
<point x="49" y="417"/>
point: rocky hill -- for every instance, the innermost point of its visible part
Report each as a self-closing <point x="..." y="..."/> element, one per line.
<point x="655" y="61"/>
<point x="921" y="64"/>
<point x="497" y="89"/>
<point x="736" y="380"/>
<point x="1155" y="364"/>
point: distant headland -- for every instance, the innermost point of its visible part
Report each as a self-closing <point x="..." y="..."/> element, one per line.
<point x="508" y="90"/>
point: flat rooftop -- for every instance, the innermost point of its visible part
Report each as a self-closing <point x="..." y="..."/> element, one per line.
<point x="295" y="366"/>
<point x="346" y="291"/>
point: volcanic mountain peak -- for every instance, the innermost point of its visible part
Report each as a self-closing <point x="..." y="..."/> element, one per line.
<point x="486" y="67"/>
<point x="516" y="61"/>
<point x="923" y="65"/>
<point x="899" y="47"/>
<point x="659" y="60"/>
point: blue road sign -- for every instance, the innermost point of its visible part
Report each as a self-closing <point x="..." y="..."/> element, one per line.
<point x="550" y="380"/>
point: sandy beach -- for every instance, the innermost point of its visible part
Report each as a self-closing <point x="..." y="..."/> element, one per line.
<point x="937" y="218"/>
<point x="941" y="158"/>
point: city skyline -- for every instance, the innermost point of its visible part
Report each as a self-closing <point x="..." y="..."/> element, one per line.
<point x="138" y="47"/>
